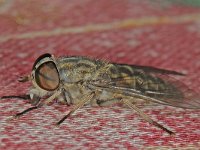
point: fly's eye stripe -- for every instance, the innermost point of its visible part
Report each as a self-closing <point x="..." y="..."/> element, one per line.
<point x="40" y="58"/>
<point x="46" y="76"/>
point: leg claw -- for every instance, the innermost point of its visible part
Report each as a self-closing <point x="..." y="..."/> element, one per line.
<point x="12" y="118"/>
<point x="56" y="125"/>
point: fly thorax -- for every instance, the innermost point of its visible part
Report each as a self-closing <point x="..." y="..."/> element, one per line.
<point x="72" y="73"/>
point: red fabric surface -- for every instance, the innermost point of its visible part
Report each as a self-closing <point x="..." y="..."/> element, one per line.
<point x="157" y="33"/>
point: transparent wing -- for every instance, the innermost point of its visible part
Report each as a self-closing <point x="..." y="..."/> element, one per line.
<point x="156" y="87"/>
<point x="154" y="70"/>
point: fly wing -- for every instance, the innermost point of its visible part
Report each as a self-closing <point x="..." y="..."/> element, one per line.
<point x="154" y="85"/>
<point x="175" y="93"/>
<point x="150" y="69"/>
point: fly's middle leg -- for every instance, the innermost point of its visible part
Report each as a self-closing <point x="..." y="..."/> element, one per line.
<point x="108" y="102"/>
<point x="81" y="103"/>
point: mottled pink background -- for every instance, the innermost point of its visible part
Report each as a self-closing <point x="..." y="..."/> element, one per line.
<point x="156" y="33"/>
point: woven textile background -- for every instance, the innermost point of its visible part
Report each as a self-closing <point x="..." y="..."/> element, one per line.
<point x="164" y="34"/>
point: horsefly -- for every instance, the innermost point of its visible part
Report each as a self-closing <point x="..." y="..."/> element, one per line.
<point x="79" y="81"/>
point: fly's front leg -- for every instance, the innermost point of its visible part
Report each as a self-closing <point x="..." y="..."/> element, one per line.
<point x="85" y="99"/>
<point x="24" y="97"/>
<point x="25" y="111"/>
<point x="18" y="115"/>
<point x="146" y="117"/>
<point x="38" y="105"/>
<point x="65" y="97"/>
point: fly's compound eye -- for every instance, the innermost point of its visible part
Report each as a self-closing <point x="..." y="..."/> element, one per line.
<point x="47" y="77"/>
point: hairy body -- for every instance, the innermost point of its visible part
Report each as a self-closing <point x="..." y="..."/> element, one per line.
<point x="80" y="81"/>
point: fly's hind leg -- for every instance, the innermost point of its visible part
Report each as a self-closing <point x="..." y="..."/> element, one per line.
<point x="146" y="117"/>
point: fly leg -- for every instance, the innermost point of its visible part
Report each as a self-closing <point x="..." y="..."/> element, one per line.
<point x="23" y="112"/>
<point x="108" y="102"/>
<point x="24" y="97"/>
<point x="85" y="99"/>
<point x="37" y="105"/>
<point x="146" y="117"/>
<point x="18" y="115"/>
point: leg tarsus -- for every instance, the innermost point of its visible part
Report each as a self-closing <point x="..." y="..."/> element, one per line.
<point x="63" y="119"/>
<point x="25" y="111"/>
<point x="163" y="128"/>
<point x="16" y="116"/>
